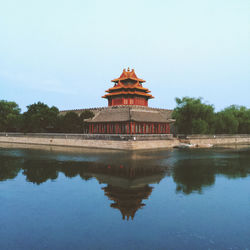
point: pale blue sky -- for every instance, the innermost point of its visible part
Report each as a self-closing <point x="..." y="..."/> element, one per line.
<point x="65" y="52"/>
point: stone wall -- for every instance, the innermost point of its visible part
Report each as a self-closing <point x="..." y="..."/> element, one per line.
<point x="215" y="139"/>
<point x="121" y="142"/>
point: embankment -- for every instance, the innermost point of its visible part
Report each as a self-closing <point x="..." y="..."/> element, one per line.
<point x="121" y="142"/>
<point x="203" y="140"/>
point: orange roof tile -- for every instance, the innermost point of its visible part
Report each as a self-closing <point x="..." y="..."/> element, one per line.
<point x="128" y="75"/>
<point x="128" y="93"/>
<point x="127" y="87"/>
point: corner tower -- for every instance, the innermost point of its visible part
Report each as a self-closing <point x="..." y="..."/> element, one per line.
<point x="128" y="90"/>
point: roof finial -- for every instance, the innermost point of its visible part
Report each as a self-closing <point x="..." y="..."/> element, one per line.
<point x="128" y="69"/>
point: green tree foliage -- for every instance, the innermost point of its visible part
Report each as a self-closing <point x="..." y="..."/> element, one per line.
<point x="71" y="122"/>
<point x="226" y="123"/>
<point x="9" y="116"/>
<point x="40" y="118"/>
<point x="193" y="117"/>
<point x="86" y="114"/>
<point x="233" y="119"/>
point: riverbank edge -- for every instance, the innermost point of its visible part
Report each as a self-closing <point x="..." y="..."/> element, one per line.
<point x="122" y="142"/>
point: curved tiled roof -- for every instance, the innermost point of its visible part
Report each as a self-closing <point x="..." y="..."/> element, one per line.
<point x="128" y="75"/>
<point x="128" y="93"/>
<point x="124" y="85"/>
<point x="132" y="113"/>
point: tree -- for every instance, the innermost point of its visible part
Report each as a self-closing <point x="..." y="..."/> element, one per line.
<point x="233" y="119"/>
<point x="86" y="114"/>
<point x="40" y="118"/>
<point x="226" y="123"/>
<point x="242" y="114"/>
<point x="9" y="116"/>
<point x="193" y="117"/>
<point x="70" y="123"/>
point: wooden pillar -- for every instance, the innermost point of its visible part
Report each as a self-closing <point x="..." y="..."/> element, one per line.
<point x="116" y="128"/>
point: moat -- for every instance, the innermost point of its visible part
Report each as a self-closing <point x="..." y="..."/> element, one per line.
<point x="59" y="198"/>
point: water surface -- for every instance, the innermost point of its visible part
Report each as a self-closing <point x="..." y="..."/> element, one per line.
<point x="54" y="198"/>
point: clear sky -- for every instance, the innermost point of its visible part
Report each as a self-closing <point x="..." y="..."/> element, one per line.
<point x="65" y="52"/>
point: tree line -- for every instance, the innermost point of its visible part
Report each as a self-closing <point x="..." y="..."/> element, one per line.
<point x="193" y="116"/>
<point x="40" y="118"/>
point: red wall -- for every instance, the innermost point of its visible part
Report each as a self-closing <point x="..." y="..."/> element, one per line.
<point x="128" y="101"/>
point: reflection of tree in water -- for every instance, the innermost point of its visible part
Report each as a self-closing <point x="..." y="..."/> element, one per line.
<point x="238" y="167"/>
<point x="39" y="171"/>
<point x="192" y="175"/>
<point x="127" y="186"/>
<point x="9" y="168"/>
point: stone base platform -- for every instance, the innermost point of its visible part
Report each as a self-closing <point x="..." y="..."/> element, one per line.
<point x="122" y="141"/>
<point x="105" y="141"/>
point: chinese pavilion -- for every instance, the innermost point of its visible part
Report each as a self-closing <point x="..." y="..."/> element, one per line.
<point x="128" y="111"/>
<point x="128" y="90"/>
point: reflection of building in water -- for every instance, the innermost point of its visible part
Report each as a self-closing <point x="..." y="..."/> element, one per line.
<point x="127" y="187"/>
<point x="127" y="180"/>
<point x="127" y="200"/>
